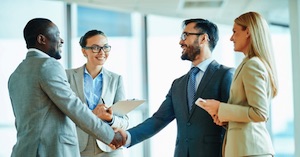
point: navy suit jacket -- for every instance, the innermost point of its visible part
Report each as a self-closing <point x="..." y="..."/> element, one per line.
<point x="197" y="135"/>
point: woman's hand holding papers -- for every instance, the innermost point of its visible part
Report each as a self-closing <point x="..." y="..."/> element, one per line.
<point x="103" y="112"/>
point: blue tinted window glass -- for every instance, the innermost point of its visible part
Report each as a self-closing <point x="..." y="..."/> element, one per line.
<point x="111" y="22"/>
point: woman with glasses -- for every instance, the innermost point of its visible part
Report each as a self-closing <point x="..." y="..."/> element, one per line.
<point x="253" y="88"/>
<point x="99" y="88"/>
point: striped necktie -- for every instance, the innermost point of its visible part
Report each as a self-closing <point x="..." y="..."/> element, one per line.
<point x="191" y="89"/>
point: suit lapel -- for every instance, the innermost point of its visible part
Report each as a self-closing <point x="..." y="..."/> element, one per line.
<point x="240" y="67"/>
<point x="211" y="69"/>
<point x="106" y="81"/>
<point x="78" y="77"/>
<point x="208" y="74"/>
<point x="185" y="106"/>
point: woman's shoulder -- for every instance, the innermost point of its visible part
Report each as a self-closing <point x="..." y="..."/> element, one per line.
<point x="74" y="70"/>
<point x="255" y="63"/>
<point x="111" y="73"/>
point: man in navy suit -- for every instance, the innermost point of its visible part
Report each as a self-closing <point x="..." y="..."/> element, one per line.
<point x="197" y="135"/>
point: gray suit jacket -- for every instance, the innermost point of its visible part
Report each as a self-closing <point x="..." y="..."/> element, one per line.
<point x="112" y="92"/>
<point x="197" y="135"/>
<point x="45" y="109"/>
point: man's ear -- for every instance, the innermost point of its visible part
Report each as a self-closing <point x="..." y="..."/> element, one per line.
<point x="83" y="52"/>
<point x="41" y="39"/>
<point x="206" y="37"/>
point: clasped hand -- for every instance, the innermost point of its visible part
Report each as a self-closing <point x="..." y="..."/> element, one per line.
<point x="211" y="106"/>
<point x="106" y="113"/>
<point x="119" y="139"/>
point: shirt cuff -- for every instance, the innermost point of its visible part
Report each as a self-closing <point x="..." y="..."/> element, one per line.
<point x="111" y="122"/>
<point x="128" y="141"/>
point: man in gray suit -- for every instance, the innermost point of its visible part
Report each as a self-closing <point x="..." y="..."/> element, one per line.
<point x="44" y="105"/>
<point x="197" y="135"/>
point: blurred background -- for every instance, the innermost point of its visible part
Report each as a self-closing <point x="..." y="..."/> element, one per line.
<point x="144" y="35"/>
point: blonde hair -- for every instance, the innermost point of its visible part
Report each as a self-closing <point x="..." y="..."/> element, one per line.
<point x="260" y="43"/>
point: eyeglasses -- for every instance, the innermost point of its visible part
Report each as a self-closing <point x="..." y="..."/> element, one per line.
<point x="185" y="34"/>
<point x="97" y="49"/>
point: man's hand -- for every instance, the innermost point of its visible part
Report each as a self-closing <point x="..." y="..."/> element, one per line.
<point x="103" y="112"/>
<point x="119" y="139"/>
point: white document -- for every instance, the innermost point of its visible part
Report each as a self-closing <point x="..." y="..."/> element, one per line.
<point x="125" y="106"/>
<point x="198" y="101"/>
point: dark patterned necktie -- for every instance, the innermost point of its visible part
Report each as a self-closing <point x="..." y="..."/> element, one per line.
<point x="191" y="89"/>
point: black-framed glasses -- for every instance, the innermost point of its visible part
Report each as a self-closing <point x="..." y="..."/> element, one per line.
<point x="97" y="49"/>
<point x="185" y="34"/>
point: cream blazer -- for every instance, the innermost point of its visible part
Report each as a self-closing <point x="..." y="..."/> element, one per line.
<point x="247" y="111"/>
<point x="112" y="92"/>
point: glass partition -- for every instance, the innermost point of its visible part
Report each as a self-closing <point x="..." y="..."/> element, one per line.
<point x="13" y="51"/>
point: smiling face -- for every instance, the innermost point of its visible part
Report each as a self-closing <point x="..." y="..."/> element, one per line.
<point x="53" y="42"/>
<point x="96" y="59"/>
<point x="240" y="38"/>
<point x="190" y="46"/>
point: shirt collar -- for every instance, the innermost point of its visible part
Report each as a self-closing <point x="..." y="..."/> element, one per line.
<point x="203" y="65"/>
<point x="38" y="51"/>
<point x="99" y="75"/>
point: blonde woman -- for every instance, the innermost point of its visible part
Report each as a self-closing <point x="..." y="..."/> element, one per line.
<point x="253" y="87"/>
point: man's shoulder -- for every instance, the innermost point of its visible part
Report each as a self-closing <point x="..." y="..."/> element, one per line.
<point x="224" y="67"/>
<point x="221" y="67"/>
<point x="51" y="67"/>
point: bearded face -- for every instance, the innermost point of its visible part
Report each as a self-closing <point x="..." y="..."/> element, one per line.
<point x="190" y="51"/>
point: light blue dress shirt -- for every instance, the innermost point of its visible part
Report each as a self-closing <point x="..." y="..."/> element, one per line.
<point x="202" y="66"/>
<point x="92" y="88"/>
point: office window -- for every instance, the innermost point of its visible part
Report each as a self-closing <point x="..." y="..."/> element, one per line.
<point x="123" y="31"/>
<point x="165" y="65"/>
<point x="114" y="24"/>
<point x="13" y="51"/>
<point x="124" y="34"/>
<point x="282" y="117"/>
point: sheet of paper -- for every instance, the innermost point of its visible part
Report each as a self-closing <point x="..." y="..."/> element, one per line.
<point x="125" y="106"/>
<point x="198" y="101"/>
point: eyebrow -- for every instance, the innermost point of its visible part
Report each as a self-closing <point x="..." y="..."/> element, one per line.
<point x="99" y="45"/>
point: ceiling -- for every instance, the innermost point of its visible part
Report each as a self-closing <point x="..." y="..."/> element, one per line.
<point x="221" y="11"/>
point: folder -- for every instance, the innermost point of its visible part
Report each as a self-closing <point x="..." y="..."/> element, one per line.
<point x="123" y="107"/>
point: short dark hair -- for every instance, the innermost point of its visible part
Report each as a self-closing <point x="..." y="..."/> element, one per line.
<point x="89" y="34"/>
<point x="205" y="26"/>
<point x="33" y="28"/>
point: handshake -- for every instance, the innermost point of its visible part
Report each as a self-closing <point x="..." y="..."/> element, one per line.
<point x="106" y="114"/>
<point x="119" y="139"/>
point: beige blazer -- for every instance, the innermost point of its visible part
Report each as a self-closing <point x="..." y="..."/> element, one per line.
<point x="112" y="92"/>
<point x="247" y="111"/>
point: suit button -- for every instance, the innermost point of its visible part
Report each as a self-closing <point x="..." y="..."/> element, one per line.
<point x="188" y="124"/>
